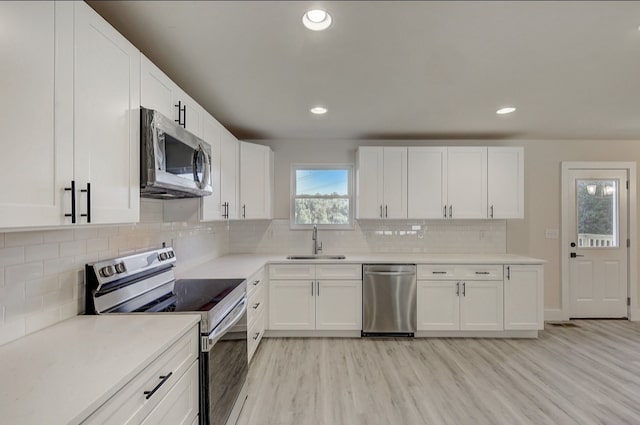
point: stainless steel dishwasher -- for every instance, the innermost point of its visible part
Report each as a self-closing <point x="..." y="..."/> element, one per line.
<point x="389" y="300"/>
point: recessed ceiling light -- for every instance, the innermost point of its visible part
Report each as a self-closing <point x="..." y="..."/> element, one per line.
<point x="316" y="19"/>
<point x="505" y="110"/>
<point x="318" y="110"/>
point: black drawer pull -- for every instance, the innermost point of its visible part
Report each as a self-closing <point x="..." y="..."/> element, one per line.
<point x="256" y="282"/>
<point x="256" y="335"/>
<point x="255" y="306"/>
<point x="438" y="272"/>
<point x="164" y="378"/>
<point x="482" y="273"/>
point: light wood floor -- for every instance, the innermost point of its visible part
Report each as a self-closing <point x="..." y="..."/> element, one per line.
<point x="584" y="375"/>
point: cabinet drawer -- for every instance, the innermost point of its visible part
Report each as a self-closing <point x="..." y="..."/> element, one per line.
<point x="436" y="272"/>
<point x="256" y="302"/>
<point x="255" y="281"/>
<point x="130" y="405"/>
<point x="292" y="271"/>
<point x="181" y="404"/>
<point x="339" y="271"/>
<point x="256" y="331"/>
<point x="460" y="272"/>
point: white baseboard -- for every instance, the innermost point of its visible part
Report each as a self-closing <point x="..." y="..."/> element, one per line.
<point x="553" y="315"/>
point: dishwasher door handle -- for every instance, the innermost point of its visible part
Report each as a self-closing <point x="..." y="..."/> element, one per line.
<point x="391" y="273"/>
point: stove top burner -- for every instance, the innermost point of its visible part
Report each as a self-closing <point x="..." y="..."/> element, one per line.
<point x="202" y="294"/>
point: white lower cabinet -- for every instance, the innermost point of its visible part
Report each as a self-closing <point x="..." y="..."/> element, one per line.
<point x="523" y="297"/>
<point x="320" y="297"/>
<point x="257" y="301"/>
<point x="165" y="392"/>
<point x="460" y="297"/>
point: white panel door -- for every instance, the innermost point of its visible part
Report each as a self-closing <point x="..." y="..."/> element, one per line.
<point x="438" y="305"/>
<point x="292" y="304"/>
<point x="369" y="183"/>
<point x="106" y="119"/>
<point x="339" y="304"/>
<point x="229" y="157"/>
<point x="523" y="297"/>
<point x="597" y="222"/>
<point x="156" y="89"/>
<point x="467" y="182"/>
<point x="481" y="306"/>
<point x="394" y="186"/>
<point x="211" y="208"/>
<point x="191" y="114"/>
<point x="37" y="157"/>
<point x="427" y="182"/>
<point x="254" y="180"/>
<point x="505" y="182"/>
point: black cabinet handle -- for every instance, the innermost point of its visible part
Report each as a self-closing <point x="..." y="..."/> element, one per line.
<point x="256" y="282"/>
<point x="182" y="112"/>
<point x="482" y="272"/>
<point x="508" y="272"/>
<point x="88" y="192"/>
<point x="164" y="379"/>
<point x="256" y="335"/>
<point x="255" y="306"/>
<point x="438" y="272"/>
<point x="464" y="289"/>
<point x="244" y="210"/>
<point x="73" y="201"/>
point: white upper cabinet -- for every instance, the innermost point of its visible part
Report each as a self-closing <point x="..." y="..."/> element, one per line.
<point x="381" y="182"/>
<point x="106" y="120"/>
<point x="211" y="207"/>
<point x="159" y="92"/>
<point x="255" y="181"/>
<point x="80" y="78"/>
<point x="427" y="182"/>
<point x="505" y="182"/>
<point x="229" y="174"/>
<point x="467" y="182"/>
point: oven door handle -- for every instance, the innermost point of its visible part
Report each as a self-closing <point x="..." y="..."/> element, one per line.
<point x="228" y="322"/>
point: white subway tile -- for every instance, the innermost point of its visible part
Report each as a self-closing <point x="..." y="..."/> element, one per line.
<point x="11" y="256"/>
<point x="59" y="265"/>
<point x="81" y="260"/>
<point x="63" y="235"/>
<point x="23" y="272"/>
<point x="106" y="255"/>
<point x="10" y="331"/>
<point x="41" y="252"/>
<point x="69" y="309"/>
<point x="42" y="286"/>
<point x="68" y="249"/>
<point x="105" y="232"/>
<point x="84" y="234"/>
<point x="22" y="238"/>
<point x="42" y="319"/>
<point x="97" y="245"/>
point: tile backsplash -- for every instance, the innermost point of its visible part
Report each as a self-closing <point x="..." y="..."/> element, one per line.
<point x="411" y="236"/>
<point x="42" y="272"/>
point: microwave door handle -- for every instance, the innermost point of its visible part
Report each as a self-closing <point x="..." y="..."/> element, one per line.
<point x="228" y="322"/>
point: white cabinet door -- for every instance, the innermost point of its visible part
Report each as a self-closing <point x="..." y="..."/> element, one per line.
<point x="229" y="156"/>
<point x="524" y="297"/>
<point x="339" y="304"/>
<point x="438" y="305"/>
<point x="481" y="307"/>
<point x="156" y="89"/>
<point x="369" y="178"/>
<point x="467" y="182"/>
<point x="394" y="186"/>
<point x="292" y="304"/>
<point x="211" y="206"/>
<point x="191" y="113"/>
<point x="505" y="182"/>
<point x="106" y="119"/>
<point x="255" y="181"/>
<point x="427" y="182"/>
<point x="37" y="156"/>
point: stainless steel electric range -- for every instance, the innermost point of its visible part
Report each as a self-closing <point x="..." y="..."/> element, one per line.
<point x="145" y="283"/>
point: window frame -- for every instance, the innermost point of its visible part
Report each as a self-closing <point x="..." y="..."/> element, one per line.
<point x="351" y="196"/>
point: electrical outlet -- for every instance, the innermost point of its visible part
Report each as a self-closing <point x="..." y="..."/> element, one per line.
<point x="552" y="234"/>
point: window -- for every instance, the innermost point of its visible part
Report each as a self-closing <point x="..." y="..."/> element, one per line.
<point x="322" y="195"/>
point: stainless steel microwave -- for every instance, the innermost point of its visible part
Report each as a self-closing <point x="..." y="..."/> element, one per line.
<point x="173" y="162"/>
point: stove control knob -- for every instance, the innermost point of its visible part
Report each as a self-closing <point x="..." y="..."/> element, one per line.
<point x="120" y="268"/>
<point x="107" y="271"/>
<point x="163" y="256"/>
<point x="171" y="254"/>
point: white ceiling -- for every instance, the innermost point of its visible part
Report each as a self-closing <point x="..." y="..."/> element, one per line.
<point x="400" y="70"/>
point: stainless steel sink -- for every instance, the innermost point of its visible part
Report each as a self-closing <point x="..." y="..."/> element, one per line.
<point x="316" y="257"/>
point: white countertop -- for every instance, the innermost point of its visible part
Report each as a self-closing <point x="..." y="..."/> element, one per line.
<point x="62" y="374"/>
<point x="244" y="265"/>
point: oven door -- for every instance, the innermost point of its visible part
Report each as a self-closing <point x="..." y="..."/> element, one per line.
<point x="224" y="367"/>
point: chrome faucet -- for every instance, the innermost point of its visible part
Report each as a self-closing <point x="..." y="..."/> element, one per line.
<point x="317" y="247"/>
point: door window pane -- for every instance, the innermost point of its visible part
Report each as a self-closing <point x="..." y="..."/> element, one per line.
<point x="597" y="208"/>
